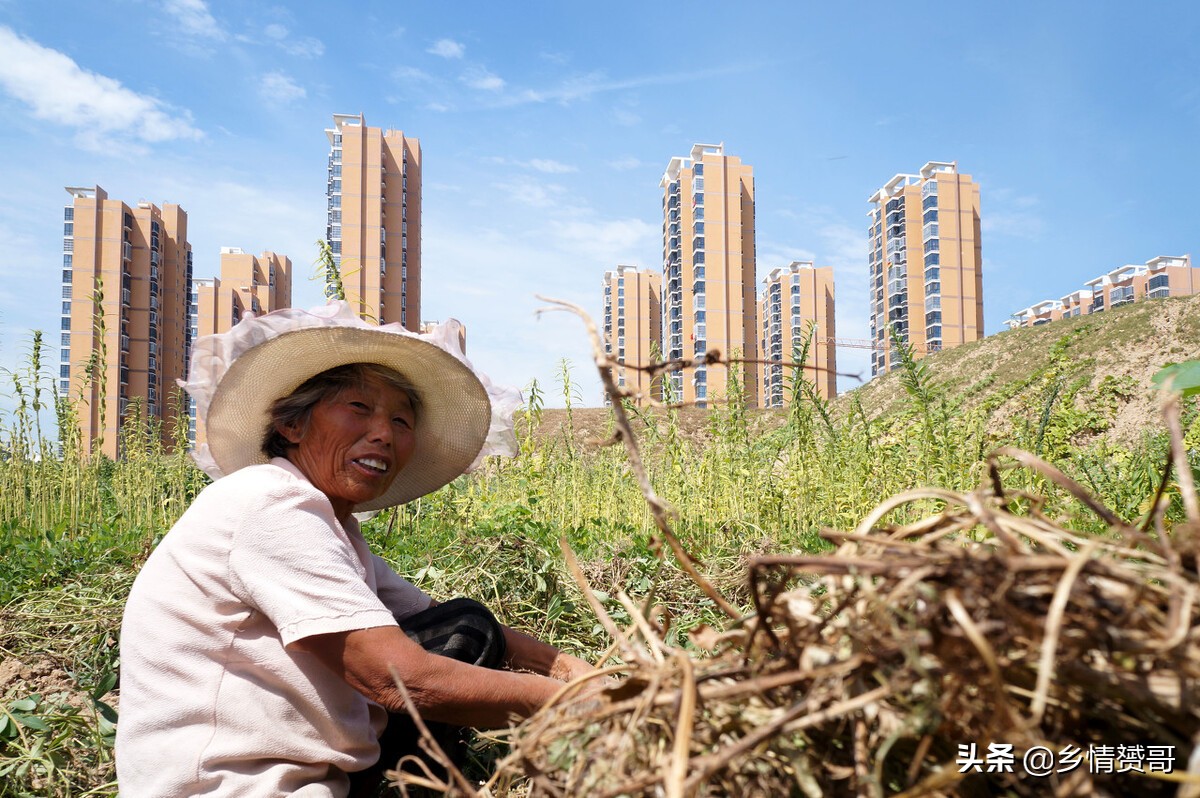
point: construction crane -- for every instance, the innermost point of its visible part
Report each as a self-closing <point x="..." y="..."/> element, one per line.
<point x="864" y="343"/>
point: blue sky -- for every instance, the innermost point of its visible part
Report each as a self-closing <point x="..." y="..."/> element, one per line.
<point x="545" y="128"/>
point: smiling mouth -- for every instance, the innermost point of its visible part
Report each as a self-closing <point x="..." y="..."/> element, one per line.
<point x="372" y="464"/>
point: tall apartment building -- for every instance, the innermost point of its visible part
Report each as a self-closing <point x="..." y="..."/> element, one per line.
<point x="1166" y="275"/>
<point x="931" y="292"/>
<point x="127" y="274"/>
<point x="708" y="270"/>
<point x="633" y="326"/>
<point x="254" y="283"/>
<point x="793" y="299"/>
<point x="374" y="218"/>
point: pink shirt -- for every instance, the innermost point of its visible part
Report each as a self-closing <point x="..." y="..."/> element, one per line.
<point x="212" y="701"/>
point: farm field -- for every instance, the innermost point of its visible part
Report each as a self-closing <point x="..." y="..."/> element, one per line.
<point x="743" y="482"/>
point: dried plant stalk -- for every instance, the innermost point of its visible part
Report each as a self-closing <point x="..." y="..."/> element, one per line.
<point x="862" y="673"/>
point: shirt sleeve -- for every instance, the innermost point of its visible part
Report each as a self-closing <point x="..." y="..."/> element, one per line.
<point x="399" y="595"/>
<point x="293" y="562"/>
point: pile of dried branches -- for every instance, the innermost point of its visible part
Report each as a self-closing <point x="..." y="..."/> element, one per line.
<point x="985" y="624"/>
<point x="922" y="660"/>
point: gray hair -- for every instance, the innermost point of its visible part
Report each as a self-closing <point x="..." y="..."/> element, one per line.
<point x="295" y="409"/>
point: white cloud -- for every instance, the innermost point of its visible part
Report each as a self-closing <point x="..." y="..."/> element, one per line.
<point x="1012" y="214"/>
<point x="480" y="78"/>
<point x="439" y="108"/>
<point x="304" y="47"/>
<point x="581" y="87"/>
<point x="626" y="118"/>
<point x="532" y="193"/>
<point x="58" y="90"/>
<point x="194" y="18"/>
<point x="411" y="75"/>
<point x="608" y="242"/>
<point x="277" y="89"/>
<point x="447" y="48"/>
<point x="544" y="165"/>
<point x="627" y="163"/>
<point x="551" y="167"/>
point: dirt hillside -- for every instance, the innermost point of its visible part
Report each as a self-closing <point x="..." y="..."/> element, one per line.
<point x="1112" y="354"/>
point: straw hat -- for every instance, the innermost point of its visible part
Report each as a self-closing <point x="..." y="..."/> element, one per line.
<point x="236" y="376"/>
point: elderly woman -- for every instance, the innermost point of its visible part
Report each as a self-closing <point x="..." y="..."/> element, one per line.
<point x="260" y="638"/>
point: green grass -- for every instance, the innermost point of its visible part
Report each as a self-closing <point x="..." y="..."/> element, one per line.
<point x="742" y="482"/>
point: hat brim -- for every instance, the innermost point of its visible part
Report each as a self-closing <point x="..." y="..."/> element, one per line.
<point x="454" y="408"/>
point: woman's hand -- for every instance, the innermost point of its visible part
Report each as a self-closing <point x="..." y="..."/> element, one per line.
<point x="567" y="668"/>
<point x="441" y="688"/>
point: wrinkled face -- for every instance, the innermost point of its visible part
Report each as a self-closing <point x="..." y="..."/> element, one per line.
<point x="355" y="443"/>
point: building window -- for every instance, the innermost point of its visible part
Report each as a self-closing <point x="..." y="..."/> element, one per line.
<point x="1158" y="286"/>
<point x="66" y="292"/>
<point x="64" y="370"/>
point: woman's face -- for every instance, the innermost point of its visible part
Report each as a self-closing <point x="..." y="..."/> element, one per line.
<point x="355" y="443"/>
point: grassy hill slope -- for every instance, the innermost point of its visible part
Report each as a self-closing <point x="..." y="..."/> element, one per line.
<point x="1097" y="367"/>
<point x="1099" y="363"/>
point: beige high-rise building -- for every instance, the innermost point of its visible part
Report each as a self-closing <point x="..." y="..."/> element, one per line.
<point x="255" y="283"/>
<point x="633" y="327"/>
<point x="374" y="218"/>
<point x="925" y="262"/>
<point x="793" y="299"/>
<point x="1166" y="275"/>
<point x="708" y="270"/>
<point x="127" y="273"/>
